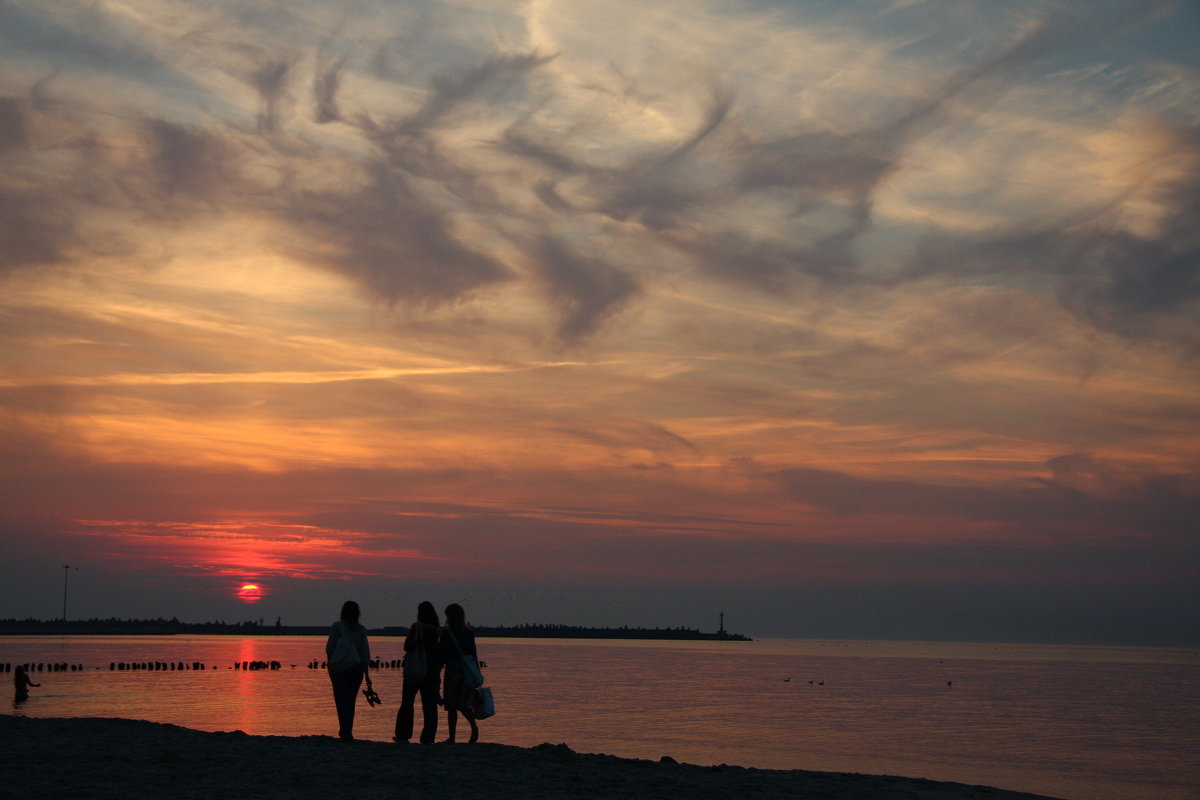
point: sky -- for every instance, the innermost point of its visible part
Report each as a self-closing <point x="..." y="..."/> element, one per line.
<point x="847" y="319"/>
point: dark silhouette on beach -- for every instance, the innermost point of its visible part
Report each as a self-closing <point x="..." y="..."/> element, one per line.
<point x="422" y="671"/>
<point x="348" y="656"/>
<point x="457" y="645"/>
<point x="21" y="683"/>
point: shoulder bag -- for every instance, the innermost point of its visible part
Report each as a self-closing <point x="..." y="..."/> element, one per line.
<point x="472" y="677"/>
<point x="415" y="664"/>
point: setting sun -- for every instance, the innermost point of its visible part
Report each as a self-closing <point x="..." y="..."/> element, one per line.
<point x="250" y="593"/>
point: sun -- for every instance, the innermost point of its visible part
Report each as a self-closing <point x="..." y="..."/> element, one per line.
<point x="250" y="593"/>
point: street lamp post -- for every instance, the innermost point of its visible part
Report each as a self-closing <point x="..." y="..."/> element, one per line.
<point x="66" y="572"/>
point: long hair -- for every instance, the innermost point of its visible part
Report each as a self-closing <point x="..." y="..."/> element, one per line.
<point x="350" y="614"/>
<point x="427" y="613"/>
<point x="455" y="616"/>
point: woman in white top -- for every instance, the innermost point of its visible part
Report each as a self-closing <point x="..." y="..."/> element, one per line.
<point x="348" y="656"/>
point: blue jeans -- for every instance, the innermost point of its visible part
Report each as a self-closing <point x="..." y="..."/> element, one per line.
<point x="345" y="693"/>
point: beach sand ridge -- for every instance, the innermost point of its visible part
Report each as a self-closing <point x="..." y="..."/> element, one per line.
<point x="120" y="759"/>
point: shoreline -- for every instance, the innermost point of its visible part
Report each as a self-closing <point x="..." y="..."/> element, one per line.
<point x="112" y="759"/>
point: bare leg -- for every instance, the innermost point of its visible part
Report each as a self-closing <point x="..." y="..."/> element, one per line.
<point x="451" y="724"/>
<point x="470" y="717"/>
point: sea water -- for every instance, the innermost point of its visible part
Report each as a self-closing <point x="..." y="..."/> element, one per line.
<point x="1085" y="723"/>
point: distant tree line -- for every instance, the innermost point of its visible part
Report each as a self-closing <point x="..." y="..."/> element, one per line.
<point x="552" y="631"/>
<point x="163" y="626"/>
<point x="117" y="625"/>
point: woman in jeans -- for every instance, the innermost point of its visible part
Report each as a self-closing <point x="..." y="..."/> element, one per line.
<point x="421" y="642"/>
<point x="348" y="656"/>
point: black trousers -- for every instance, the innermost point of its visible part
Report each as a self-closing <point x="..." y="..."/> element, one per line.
<point x="428" y="689"/>
<point x="345" y="693"/>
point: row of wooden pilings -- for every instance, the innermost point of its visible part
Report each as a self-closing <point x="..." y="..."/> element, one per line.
<point x="180" y="666"/>
<point x="395" y="663"/>
<point x="140" y="666"/>
<point x="154" y="666"/>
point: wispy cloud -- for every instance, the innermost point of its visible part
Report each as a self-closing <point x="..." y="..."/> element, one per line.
<point x="185" y="379"/>
<point x="575" y="279"/>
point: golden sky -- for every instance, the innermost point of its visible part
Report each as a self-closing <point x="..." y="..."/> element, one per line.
<point x="604" y="312"/>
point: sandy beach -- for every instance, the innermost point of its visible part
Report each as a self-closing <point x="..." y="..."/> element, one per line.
<point x="117" y="758"/>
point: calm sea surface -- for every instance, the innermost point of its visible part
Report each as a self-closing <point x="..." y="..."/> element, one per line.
<point x="1085" y="723"/>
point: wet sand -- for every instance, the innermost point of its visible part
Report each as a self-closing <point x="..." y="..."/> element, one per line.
<point x="116" y="758"/>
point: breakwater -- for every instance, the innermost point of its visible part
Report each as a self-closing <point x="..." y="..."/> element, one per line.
<point x="182" y="666"/>
<point x="42" y="666"/>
